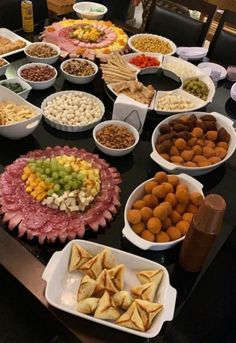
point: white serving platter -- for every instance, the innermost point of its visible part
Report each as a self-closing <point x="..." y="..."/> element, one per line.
<point x="147" y="70"/>
<point x="192" y="53"/>
<point x="193" y="71"/>
<point x="62" y="286"/>
<point x="12" y="36"/>
<point x="214" y="66"/>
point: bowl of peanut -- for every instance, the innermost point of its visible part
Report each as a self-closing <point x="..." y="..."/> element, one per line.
<point x="115" y="137"/>
<point x="194" y="143"/>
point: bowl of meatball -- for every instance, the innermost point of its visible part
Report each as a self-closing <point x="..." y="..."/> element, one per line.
<point x="194" y="143"/>
<point x="158" y="213"/>
<point x="79" y="70"/>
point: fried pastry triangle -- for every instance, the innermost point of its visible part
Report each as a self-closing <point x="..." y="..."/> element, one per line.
<point x="108" y="259"/>
<point x="88" y="306"/>
<point x="106" y="308"/>
<point x="123" y="299"/>
<point x="116" y="275"/>
<point x="148" y="310"/>
<point x="93" y="267"/>
<point x="101" y="282"/>
<point x="150" y="275"/>
<point x="78" y="257"/>
<point x="86" y="288"/>
<point x="131" y="318"/>
<point x="146" y="291"/>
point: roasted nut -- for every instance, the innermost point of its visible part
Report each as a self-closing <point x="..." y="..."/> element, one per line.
<point x="223" y="135"/>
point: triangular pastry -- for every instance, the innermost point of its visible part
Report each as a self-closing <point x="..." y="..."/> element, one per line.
<point x="93" y="267"/>
<point x="106" y="308"/>
<point x="100" y="282"/>
<point x="78" y="257"/>
<point x="148" y="311"/>
<point x="150" y="275"/>
<point x="88" y="306"/>
<point x="108" y="259"/>
<point x="116" y="275"/>
<point x="146" y="291"/>
<point x="131" y="318"/>
<point x="123" y="299"/>
<point x="86" y="288"/>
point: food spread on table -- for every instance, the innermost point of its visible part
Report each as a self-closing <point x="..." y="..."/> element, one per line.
<point x="58" y="193"/>
<point x="78" y="67"/>
<point x="8" y="45"/>
<point x="193" y="141"/>
<point x="11" y="113"/>
<point x="165" y="210"/>
<point x="86" y="38"/>
<point x="41" y="51"/>
<point x="101" y="291"/>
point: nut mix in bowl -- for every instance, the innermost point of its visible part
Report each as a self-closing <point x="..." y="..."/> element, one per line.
<point x="194" y="143"/>
<point x="42" y="52"/>
<point x="151" y="43"/>
<point x="79" y="70"/>
<point x="38" y="75"/>
<point x="158" y="213"/>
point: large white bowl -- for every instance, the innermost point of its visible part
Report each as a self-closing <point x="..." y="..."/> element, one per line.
<point x="27" y="88"/>
<point x="47" y="60"/>
<point x="222" y="121"/>
<point x="22" y="128"/>
<point x="3" y="69"/>
<point x="110" y="151"/>
<point x="172" y="44"/>
<point x="79" y="80"/>
<point x="82" y="9"/>
<point x="38" y="85"/>
<point x="138" y="193"/>
<point x="71" y="128"/>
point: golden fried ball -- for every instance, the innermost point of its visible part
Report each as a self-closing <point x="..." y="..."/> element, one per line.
<point x="173" y="180"/>
<point x="138" y="228"/>
<point x="134" y="216"/>
<point x="148" y="235"/>
<point x="160" y="212"/>
<point x="162" y="237"/>
<point x="173" y="233"/>
<point x="187" y="217"/>
<point x="150" y="200"/>
<point x="138" y="204"/>
<point x="154" y="225"/>
<point x="175" y="217"/>
<point x="196" y="198"/>
<point x="146" y="213"/>
<point x="170" y="197"/>
<point x="159" y="191"/>
<point x="160" y="177"/>
<point x="149" y="186"/>
<point x="183" y="227"/>
<point x="182" y="196"/>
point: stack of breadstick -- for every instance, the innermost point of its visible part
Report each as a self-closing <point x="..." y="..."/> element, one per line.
<point x="117" y="69"/>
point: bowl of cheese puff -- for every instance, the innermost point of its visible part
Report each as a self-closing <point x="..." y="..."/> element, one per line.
<point x="159" y="211"/>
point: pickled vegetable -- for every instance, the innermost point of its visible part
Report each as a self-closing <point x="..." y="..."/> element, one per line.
<point x="197" y="87"/>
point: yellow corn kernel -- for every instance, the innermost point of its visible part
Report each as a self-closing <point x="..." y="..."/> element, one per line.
<point x="32" y="177"/>
<point x="24" y="177"/>
<point x="27" y="170"/>
<point x="42" y="184"/>
<point x="34" y="194"/>
<point x="34" y="184"/>
<point x="29" y="189"/>
<point x="41" y="196"/>
<point x="39" y="189"/>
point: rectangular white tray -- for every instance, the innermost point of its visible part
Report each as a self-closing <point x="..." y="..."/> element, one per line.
<point x="12" y="36"/>
<point x="62" y="286"/>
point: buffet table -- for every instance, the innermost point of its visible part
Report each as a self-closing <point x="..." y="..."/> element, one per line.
<point x="203" y="299"/>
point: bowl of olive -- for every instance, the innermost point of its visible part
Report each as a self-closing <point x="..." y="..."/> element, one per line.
<point x="18" y="86"/>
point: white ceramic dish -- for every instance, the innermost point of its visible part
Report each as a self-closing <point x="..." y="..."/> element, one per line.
<point x="38" y="85"/>
<point x="27" y="88"/>
<point x="208" y="81"/>
<point x="147" y="70"/>
<point x="233" y="92"/>
<point x="214" y="66"/>
<point x="79" y="80"/>
<point x="3" y="69"/>
<point x="110" y="151"/>
<point x="222" y="121"/>
<point x="192" y="53"/>
<point x="172" y="44"/>
<point x="182" y="69"/>
<point x="12" y="36"/>
<point x="138" y="193"/>
<point x="71" y="128"/>
<point x="82" y="9"/>
<point x="22" y="128"/>
<point x="47" y="60"/>
<point x="197" y="103"/>
<point x="61" y="288"/>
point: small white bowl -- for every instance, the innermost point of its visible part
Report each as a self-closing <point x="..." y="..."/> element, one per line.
<point x="233" y="92"/>
<point x="110" y="151"/>
<point x="138" y="193"/>
<point x="4" y="67"/>
<point x="22" y="128"/>
<point x="47" y="60"/>
<point x="222" y="121"/>
<point x="27" y="88"/>
<point x="145" y="35"/>
<point x="82" y="9"/>
<point x="147" y="70"/>
<point x="79" y="80"/>
<point x="38" y="85"/>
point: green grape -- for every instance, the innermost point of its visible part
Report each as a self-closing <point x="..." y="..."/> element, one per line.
<point x="33" y="167"/>
<point x="67" y="187"/>
<point x="60" y="167"/>
<point x="68" y="178"/>
<point x="39" y="170"/>
<point x="62" y="173"/>
<point x="56" y="187"/>
<point x="60" y="192"/>
<point x="38" y="163"/>
<point x="55" y="175"/>
<point x="61" y="181"/>
<point x="49" y="180"/>
<point x="50" y="192"/>
<point x="68" y="169"/>
<point x="48" y="171"/>
<point x="74" y="185"/>
<point x="80" y="176"/>
<point x="43" y="176"/>
<point x="74" y="175"/>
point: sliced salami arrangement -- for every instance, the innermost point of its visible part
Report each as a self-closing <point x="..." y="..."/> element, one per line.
<point x="58" y="193"/>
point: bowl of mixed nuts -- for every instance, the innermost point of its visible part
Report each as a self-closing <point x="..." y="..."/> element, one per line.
<point x="79" y="70"/>
<point x="115" y="137"/>
<point x="42" y="52"/>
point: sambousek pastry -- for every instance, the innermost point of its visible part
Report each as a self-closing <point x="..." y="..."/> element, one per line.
<point x="122" y="299"/>
<point x="131" y="318"/>
<point x="86" y="288"/>
<point x="93" y="267"/>
<point x="106" y="308"/>
<point x="146" y="291"/>
<point x="108" y="259"/>
<point x="111" y="280"/>
<point x="88" y="306"/>
<point x="147" y="310"/>
<point x="150" y="275"/>
<point x="78" y="257"/>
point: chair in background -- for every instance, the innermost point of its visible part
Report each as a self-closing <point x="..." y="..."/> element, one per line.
<point x="10" y="13"/>
<point x="177" y="26"/>
<point x="223" y="45"/>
